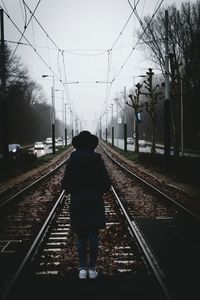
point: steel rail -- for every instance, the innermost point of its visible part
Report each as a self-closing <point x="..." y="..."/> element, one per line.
<point x="152" y="262"/>
<point x="33" y="248"/>
<point x="21" y="192"/>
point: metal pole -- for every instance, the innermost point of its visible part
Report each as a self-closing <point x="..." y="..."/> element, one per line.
<point x="166" y="101"/>
<point x="53" y="116"/>
<point x="112" y="126"/>
<point x="72" y="124"/>
<point x="63" y="111"/>
<point x="125" y="121"/>
<point x="182" y="137"/>
<point x="65" y="104"/>
<point x="100" y="131"/>
<point x="106" y="127"/>
<point x="117" y="128"/>
<point x="4" y="104"/>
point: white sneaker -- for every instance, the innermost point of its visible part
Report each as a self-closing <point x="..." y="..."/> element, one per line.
<point x="83" y="274"/>
<point x="93" y="274"/>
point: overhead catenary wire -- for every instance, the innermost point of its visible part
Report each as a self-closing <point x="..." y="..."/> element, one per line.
<point x="144" y="30"/>
<point x="25" y="27"/>
<point x="4" y="6"/>
<point x="127" y="21"/>
<point x="73" y="52"/>
<point x="134" y="47"/>
<point x="65" y="86"/>
<point x="23" y="13"/>
<point x="35" y="50"/>
<point x="42" y="27"/>
<point x="43" y="60"/>
<point x="143" y="27"/>
<point x="59" y="51"/>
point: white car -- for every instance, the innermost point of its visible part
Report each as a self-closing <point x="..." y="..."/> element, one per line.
<point x="142" y="143"/>
<point x="130" y="140"/>
<point x="38" y="146"/>
<point x="48" y="141"/>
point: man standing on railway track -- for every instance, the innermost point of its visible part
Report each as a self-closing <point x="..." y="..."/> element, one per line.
<point x="86" y="180"/>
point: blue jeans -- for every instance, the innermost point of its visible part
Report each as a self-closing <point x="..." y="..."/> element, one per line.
<point x="88" y="243"/>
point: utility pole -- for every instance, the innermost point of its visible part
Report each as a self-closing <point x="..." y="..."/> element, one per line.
<point x="125" y="121"/>
<point x="100" y="128"/>
<point x="52" y="112"/>
<point x="106" y="126"/>
<point x="53" y="116"/>
<point x="112" y="130"/>
<point x="72" y="125"/>
<point x="65" y="104"/>
<point x="3" y="102"/>
<point x="166" y="101"/>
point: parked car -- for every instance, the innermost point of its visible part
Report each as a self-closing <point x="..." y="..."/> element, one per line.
<point x="38" y="146"/>
<point x="14" y="150"/>
<point x="130" y="140"/>
<point x="14" y="147"/>
<point x="48" y="141"/>
<point x="142" y="143"/>
<point x="59" y="139"/>
<point x="21" y="153"/>
<point x="28" y="154"/>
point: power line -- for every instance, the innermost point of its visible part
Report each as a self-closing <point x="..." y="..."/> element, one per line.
<point x="81" y="54"/>
<point x="59" y="50"/>
<point x="25" y="27"/>
<point x="142" y="24"/>
<point x="71" y="51"/>
<point x="144" y="30"/>
<point x="118" y="37"/>
<point x="124" y="26"/>
<point x="23" y="13"/>
<point x="42" y="26"/>
<point x="4" y="6"/>
<point x="31" y="45"/>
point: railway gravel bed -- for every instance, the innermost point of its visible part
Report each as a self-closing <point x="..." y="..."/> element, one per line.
<point x="183" y="197"/>
<point x="16" y="184"/>
<point x="20" y="223"/>
<point x="156" y="218"/>
<point x="173" y="235"/>
<point x="120" y="262"/>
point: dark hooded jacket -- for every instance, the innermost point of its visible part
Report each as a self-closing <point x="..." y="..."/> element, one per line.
<point x="86" y="179"/>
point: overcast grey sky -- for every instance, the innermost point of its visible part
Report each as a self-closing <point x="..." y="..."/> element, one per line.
<point x="85" y="46"/>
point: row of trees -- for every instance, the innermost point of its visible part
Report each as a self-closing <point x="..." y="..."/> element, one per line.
<point x="28" y="116"/>
<point x="184" y="60"/>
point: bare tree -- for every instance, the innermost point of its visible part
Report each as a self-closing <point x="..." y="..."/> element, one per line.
<point x="152" y="96"/>
<point x="137" y="106"/>
<point x="27" y="114"/>
<point x="184" y="48"/>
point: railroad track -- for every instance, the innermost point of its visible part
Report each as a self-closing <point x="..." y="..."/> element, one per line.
<point x="170" y="225"/>
<point x="123" y="250"/>
<point x="160" y="223"/>
<point x="11" y="191"/>
<point x="21" y="216"/>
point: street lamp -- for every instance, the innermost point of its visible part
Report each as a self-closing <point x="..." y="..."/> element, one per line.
<point x="103" y="81"/>
<point x="53" y="112"/>
<point x="71" y="82"/>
